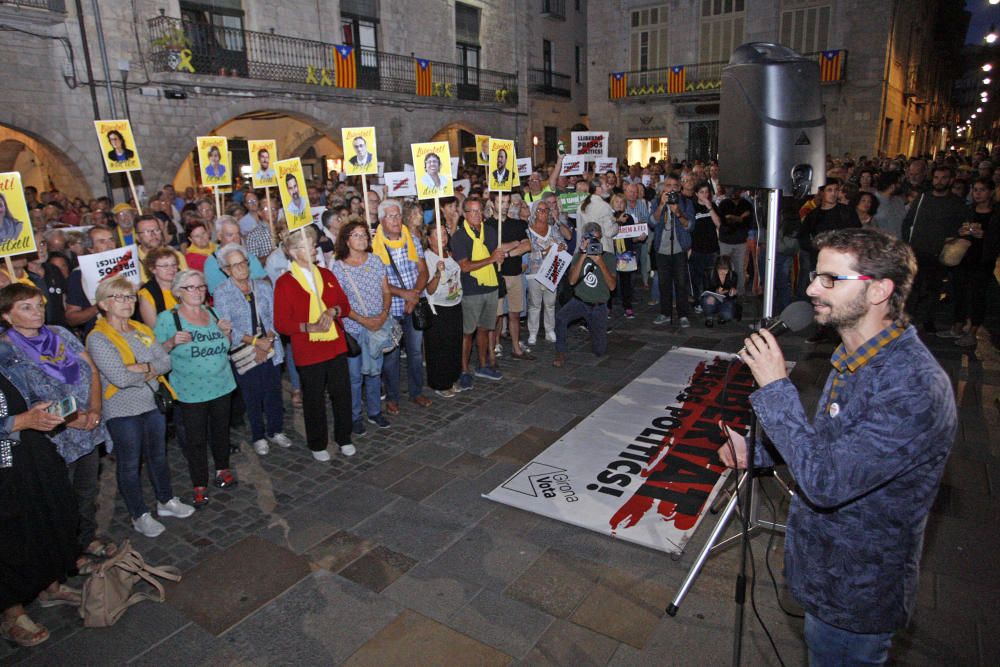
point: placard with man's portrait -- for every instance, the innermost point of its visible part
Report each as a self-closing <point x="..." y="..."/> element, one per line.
<point x="292" y="188"/>
<point x="16" y="235"/>
<point x="360" y="151"/>
<point x="263" y="155"/>
<point x="432" y="162"/>
<point x="117" y="146"/>
<point x="482" y="150"/>
<point x="213" y="159"/>
<point x="502" y="167"/>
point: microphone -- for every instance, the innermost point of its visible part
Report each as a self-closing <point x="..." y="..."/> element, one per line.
<point x="795" y="317"/>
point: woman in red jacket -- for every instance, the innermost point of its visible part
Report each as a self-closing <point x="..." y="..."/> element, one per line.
<point x="308" y="302"/>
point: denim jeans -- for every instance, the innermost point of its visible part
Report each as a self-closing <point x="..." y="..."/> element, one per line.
<point x="261" y="389"/>
<point x="597" y="322"/>
<point x="413" y="340"/>
<point x="830" y="646"/>
<point x="83" y="476"/>
<point x="710" y="307"/>
<point x="738" y="254"/>
<point x="138" y="438"/>
<point x="293" y="372"/>
<point x="372" y="385"/>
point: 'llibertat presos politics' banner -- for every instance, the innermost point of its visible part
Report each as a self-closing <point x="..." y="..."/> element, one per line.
<point x="644" y="466"/>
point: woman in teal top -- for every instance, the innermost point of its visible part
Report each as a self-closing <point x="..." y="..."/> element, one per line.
<point x="198" y="343"/>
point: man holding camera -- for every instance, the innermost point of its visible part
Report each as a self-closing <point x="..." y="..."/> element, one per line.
<point x="594" y="277"/>
<point x="673" y="220"/>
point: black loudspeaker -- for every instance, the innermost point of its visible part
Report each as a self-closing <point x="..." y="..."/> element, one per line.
<point x="772" y="132"/>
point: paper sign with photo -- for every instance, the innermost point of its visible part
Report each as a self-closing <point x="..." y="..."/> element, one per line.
<point x="117" y="145"/>
<point x="632" y="231"/>
<point x="553" y="268"/>
<point x="502" y="159"/>
<point x="482" y="150"/>
<point x="572" y="165"/>
<point x="603" y="165"/>
<point x="524" y="167"/>
<point x="589" y="144"/>
<point x="317" y="214"/>
<point x="263" y="155"/>
<point x="359" y="145"/>
<point x="103" y="265"/>
<point x="400" y="184"/>
<point x="433" y="169"/>
<point x="16" y="235"/>
<point x="291" y="187"/>
<point x="213" y="160"/>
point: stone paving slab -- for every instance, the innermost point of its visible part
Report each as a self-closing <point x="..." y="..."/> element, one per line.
<point x="501" y="622"/>
<point x="189" y="646"/>
<point x="378" y="568"/>
<point x="556" y="583"/>
<point x="434" y="595"/>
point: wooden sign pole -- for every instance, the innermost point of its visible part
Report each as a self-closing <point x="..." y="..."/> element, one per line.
<point x="218" y="202"/>
<point x="499" y="218"/>
<point x="364" y="195"/>
<point x="270" y="215"/>
<point x="135" y="196"/>
<point x="10" y="268"/>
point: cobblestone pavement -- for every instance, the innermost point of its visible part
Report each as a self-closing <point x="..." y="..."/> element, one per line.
<point x="393" y="557"/>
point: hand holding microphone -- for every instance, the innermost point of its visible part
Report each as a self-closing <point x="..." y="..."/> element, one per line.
<point x="761" y="352"/>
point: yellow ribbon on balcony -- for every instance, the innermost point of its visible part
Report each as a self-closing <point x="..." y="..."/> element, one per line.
<point x="185" y="64"/>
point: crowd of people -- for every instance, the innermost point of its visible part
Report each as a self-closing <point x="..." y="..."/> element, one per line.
<point x="229" y="300"/>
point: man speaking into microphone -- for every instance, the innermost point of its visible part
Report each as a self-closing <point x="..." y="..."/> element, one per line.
<point x="868" y="464"/>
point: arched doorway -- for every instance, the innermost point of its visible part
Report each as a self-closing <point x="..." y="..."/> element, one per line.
<point x="295" y="137"/>
<point x="42" y="165"/>
<point x="461" y="140"/>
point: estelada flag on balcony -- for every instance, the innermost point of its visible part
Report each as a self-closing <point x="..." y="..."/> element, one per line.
<point x="345" y="66"/>
<point x="424" y="69"/>
<point x="619" y="84"/>
<point x="830" y="65"/>
<point x="676" y="79"/>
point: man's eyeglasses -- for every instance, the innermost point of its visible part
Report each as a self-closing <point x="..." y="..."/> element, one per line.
<point x="828" y="280"/>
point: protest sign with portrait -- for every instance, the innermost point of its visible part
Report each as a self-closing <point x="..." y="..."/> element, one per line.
<point x="482" y="150"/>
<point x="117" y="146"/>
<point x="214" y="161"/>
<point x="359" y="143"/>
<point x="16" y="235"/>
<point x="432" y="163"/>
<point x="501" y="167"/>
<point x="263" y="155"/>
<point x="291" y="187"/>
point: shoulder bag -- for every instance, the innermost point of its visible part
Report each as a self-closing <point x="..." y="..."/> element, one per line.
<point x="393" y="335"/>
<point x="422" y="315"/>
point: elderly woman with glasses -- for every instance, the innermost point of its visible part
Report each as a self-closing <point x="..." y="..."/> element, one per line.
<point x="543" y="237"/>
<point x="249" y="305"/>
<point x="131" y="366"/>
<point x="309" y="304"/>
<point x="198" y="343"/>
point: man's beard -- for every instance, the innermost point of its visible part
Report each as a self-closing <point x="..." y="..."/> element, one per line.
<point x="845" y="316"/>
<point x="941" y="188"/>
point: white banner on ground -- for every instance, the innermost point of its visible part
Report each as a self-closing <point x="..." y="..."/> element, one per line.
<point x="553" y="268"/>
<point x="100" y="266"/>
<point x="644" y="466"/>
<point x="400" y="184"/>
<point x="572" y="165"/>
<point x="589" y="144"/>
<point x="632" y="231"/>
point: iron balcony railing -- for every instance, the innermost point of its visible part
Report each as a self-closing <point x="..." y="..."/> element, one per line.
<point x="199" y="48"/>
<point x="702" y="78"/>
<point x="555" y="9"/>
<point x="550" y="83"/>
<point x="51" y="5"/>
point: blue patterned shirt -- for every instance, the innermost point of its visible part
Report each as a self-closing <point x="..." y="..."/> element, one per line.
<point x="368" y="279"/>
<point x="867" y="473"/>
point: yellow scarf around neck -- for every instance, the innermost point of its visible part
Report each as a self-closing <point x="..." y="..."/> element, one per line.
<point x="486" y="275"/>
<point x="202" y="251"/>
<point x="316" y="305"/>
<point x="381" y="244"/>
<point x="146" y="337"/>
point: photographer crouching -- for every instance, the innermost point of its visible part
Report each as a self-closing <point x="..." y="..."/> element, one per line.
<point x="593" y="276"/>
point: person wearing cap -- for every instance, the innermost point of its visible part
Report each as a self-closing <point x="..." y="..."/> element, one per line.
<point x="124" y="224"/>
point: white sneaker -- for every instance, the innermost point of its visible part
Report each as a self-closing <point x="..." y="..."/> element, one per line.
<point x="348" y="450"/>
<point x="281" y="440"/>
<point x="148" y="526"/>
<point x="322" y="455"/>
<point x="261" y="447"/>
<point x="532" y="340"/>
<point x="550" y="336"/>
<point x="175" y="508"/>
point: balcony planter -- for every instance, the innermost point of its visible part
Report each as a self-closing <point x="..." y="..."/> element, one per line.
<point x="174" y="41"/>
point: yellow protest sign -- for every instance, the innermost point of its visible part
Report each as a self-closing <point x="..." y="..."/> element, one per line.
<point x="16" y="235"/>
<point x="263" y="153"/>
<point x="359" y="143"/>
<point x="502" y="167"/>
<point x="117" y="145"/>
<point x="482" y="150"/>
<point x="214" y="161"/>
<point x="291" y="184"/>
<point x="432" y="164"/>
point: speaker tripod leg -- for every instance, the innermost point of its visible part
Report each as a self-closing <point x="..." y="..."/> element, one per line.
<point x="699" y="562"/>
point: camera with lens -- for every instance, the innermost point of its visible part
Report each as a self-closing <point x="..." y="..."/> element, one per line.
<point x="592" y="244"/>
<point x="672" y="198"/>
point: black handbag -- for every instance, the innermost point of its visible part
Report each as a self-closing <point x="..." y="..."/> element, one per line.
<point x="353" y="346"/>
<point x="423" y="316"/>
<point x="164" y="399"/>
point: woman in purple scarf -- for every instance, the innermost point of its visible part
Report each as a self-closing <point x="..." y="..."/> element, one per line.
<point x="50" y="364"/>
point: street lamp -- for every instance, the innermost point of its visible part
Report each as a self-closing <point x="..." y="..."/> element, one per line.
<point x="986" y="81"/>
<point x="987" y="67"/>
<point x="991" y="36"/>
<point x="979" y="109"/>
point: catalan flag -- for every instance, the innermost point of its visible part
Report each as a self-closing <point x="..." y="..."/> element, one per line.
<point x="830" y="66"/>
<point x="424" y="70"/>
<point x="676" y="79"/>
<point x="345" y="66"/>
<point x="619" y="85"/>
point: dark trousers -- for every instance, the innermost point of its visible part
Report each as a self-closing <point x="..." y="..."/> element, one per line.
<point x="701" y="264"/>
<point x="970" y="286"/>
<point x="83" y="476"/>
<point x="138" y="439"/>
<point x="443" y="348"/>
<point x="926" y="289"/>
<point x="206" y="425"/>
<point x="333" y="378"/>
<point x="596" y="315"/>
<point x="672" y="276"/>
<point x="624" y="288"/>
<point x="261" y="390"/>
